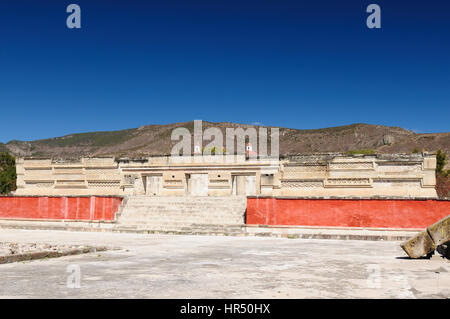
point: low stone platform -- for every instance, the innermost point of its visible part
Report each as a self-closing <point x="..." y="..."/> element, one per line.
<point x="220" y="230"/>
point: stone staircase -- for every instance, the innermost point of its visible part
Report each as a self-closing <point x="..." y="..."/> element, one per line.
<point x="187" y="214"/>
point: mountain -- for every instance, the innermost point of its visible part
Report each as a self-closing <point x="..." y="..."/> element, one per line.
<point x="155" y="140"/>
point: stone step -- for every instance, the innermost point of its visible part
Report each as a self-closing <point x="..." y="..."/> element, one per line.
<point x="156" y="215"/>
<point x="196" y="207"/>
<point x="166" y="223"/>
<point x="187" y="201"/>
<point x="174" y="205"/>
<point x="181" y="214"/>
<point x="191" y="222"/>
<point x="178" y="204"/>
<point x="185" y="209"/>
<point x="169" y="207"/>
<point x="212" y="227"/>
<point x="184" y="214"/>
<point x="191" y="229"/>
<point x="187" y="204"/>
<point x="192" y="198"/>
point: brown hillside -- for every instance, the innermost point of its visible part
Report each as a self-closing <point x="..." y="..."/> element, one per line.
<point x="155" y="139"/>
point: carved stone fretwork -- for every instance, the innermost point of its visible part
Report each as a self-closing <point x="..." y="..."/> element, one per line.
<point x="68" y="184"/>
<point x="397" y="182"/>
<point x="301" y="183"/>
<point x="351" y="166"/>
<point x="304" y="168"/>
<point x="101" y="184"/>
<point x="68" y="171"/>
<point x="101" y="171"/>
<point x="347" y="182"/>
<point x="396" y="167"/>
<point x="40" y="184"/>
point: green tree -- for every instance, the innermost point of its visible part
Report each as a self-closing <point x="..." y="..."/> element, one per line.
<point x="440" y="162"/>
<point x="7" y="173"/>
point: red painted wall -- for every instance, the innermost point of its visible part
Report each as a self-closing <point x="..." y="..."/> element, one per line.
<point x="376" y="213"/>
<point x="43" y="207"/>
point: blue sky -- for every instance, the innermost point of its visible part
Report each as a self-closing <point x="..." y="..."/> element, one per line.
<point x="299" y="64"/>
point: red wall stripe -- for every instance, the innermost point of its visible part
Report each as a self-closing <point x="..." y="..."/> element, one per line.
<point x="43" y="207"/>
<point x="376" y="213"/>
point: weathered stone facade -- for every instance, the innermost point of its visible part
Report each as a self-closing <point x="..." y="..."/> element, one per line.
<point x="318" y="175"/>
<point x="360" y="176"/>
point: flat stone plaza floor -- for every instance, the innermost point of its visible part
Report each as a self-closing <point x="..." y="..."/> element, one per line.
<point x="162" y="266"/>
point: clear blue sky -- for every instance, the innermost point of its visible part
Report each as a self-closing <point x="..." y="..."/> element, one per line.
<point x="299" y="64"/>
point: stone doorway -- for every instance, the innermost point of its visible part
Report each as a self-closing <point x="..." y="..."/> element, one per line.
<point x="244" y="185"/>
<point x="153" y="185"/>
<point x="197" y="184"/>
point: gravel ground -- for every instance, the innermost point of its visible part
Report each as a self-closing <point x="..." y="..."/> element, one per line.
<point x="157" y="266"/>
<point x="8" y="248"/>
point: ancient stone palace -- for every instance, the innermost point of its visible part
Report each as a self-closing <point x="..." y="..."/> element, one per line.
<point x="319" y="175"/>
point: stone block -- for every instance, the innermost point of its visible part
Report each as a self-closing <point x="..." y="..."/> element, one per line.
<point x="419" y="245"/>
<point x="440" y="231"/>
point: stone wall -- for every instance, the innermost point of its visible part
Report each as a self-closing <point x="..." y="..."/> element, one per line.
<point x="360" y="176"/>
<point x="60" y="207"/>
<point x="85" y="176"/>
<point x="366" y="213"/>
<point x="304" y="175"/>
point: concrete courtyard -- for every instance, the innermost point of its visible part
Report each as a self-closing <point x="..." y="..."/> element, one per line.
<point x="162" y="266"/>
